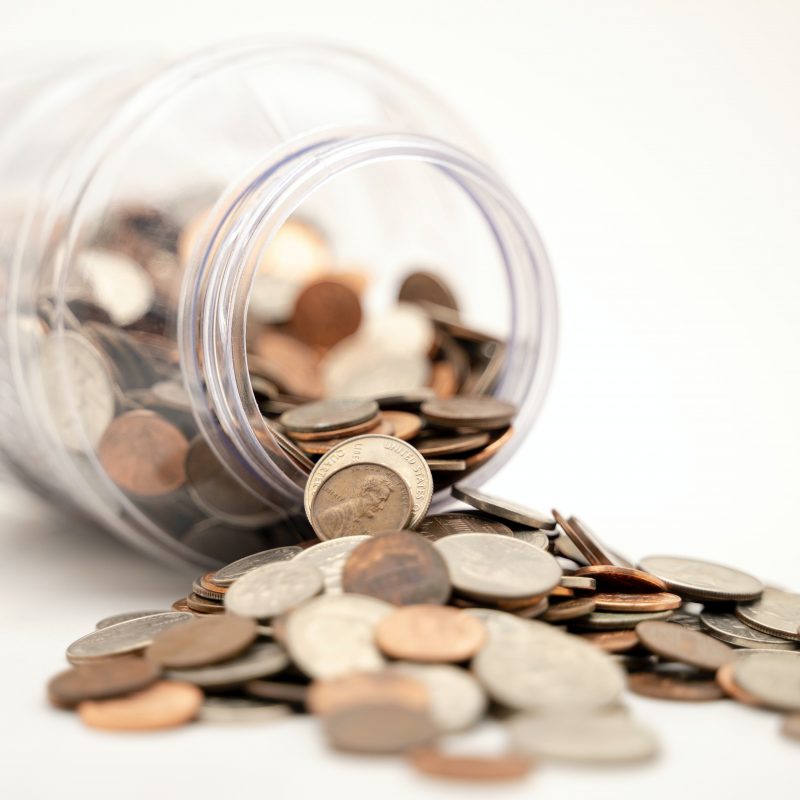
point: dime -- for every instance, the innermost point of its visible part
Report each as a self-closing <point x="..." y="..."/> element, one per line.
<point x="484" y="565"/>
<point x="610" y="578"/>
<point x="432" y="761"/>
<point x="677" y="643"/>
<point x="333" y="635"/>
<point x="702" y="580"/>
<point x="106" y="678"/>
<point x="326" y="312"/>
<point x="165" y="704"/>
<point x="451" y="445"/>
<point x="259" y="660"/>
<point x="328" y="415"/>
<point x="791" y="726"/>
<point x="400" y="567"/>
<point x="378" y="728"/>
<point x="772" y="676"/>
<point x="240" y="709"/>
<point x="360" y="499"/>
<point x="430" y="633"/>
<point x="388" y="451"/>
<point x="202" y="641"/>
<point x="503" y="508"/>
<point x="406" y="425"/>
<point x="480" y="413"/>
<point x="654" y="601"/>
<point x="358" y="689"/>
<point x="728" y="628"/>
<point x="612" y="641"/>
<point x="618" y="620"/>
<point x="439" y="525"/>
<point x="673" y="687"/>
<point x="776" y="612"/>
<point x="330" y="557"/>
<point x="124" y="637"/>
<point x="569" y="609"/>
<point x="228" y="574"/>
<point x="425" y="287"/>
<point x="273" y="589"/>
<point x="125" y="617"/>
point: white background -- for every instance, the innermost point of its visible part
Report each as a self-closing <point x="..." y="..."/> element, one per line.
<point x="656" y="146"/>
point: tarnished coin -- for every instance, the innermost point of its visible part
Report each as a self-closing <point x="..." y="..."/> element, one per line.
<point x="125" y="617"/>
<point x="202" y="641"/>
<point x="165" y="704"/>
<point x="610" y="578"/>
<point x="259" y="660"/>
<point x="727" y="682"/>
<point x="241" y="709"/>
<point x="144" y="454"/>
<point x="618" y="620"/>
<point x="776" y="612"/>
<point x="328" y="415"/>
<point x="425" y="287"/>
<point x="463" y="411"/>
<point x="228" y="574"/>
<point x="728" y="628"/>
<point x="432" y="761"/>
<point x="537" y="538"/>
<point x="451" y="445"/>
<point x="325" y="312"/>
<point x="330" y="557"/>
<point x="429" y="633"/>
<point x="124" y="637"/>
<point x="360" y="499"/>
<point x="388" y="451"/>
<point x="378" y="728"/>
<point x="771" y="676"/>
<point x="702" y="580"/>
<point x="612" y="641"/>
<point x="273" y="589"/>
<point x="399" y="567"/>
<point x="333" y="635"/>
<point x="666" y="686"/>
<point x="569" y="609"/>
<point x="406" y="425"/>
<point x="791" y="726"/>
<point x="439" y="525"/>
<point x="484" y="565"/>
<point x="677" y="643"/>
<point x="360" y="688"/>
<point x="106" y="678"/>
<point x="654" y="601"/>
<point x="505" y="509"/>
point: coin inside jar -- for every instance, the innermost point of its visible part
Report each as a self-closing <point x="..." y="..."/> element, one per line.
<point x="480" y="413"/>
<point x="329" y="415"/>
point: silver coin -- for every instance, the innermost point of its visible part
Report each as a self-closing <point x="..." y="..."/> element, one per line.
<point x="273" y="589"/>
<point x="439" y="525"/>
<point x="329" y="558"/>
<point x="124" y="637"/>
<point x="485" y="565"/>
<point x="446" y="465"/>
<point x="727" y="628"/>
<point x="604" y="737"/>
<point x="564" y="546"/>
<point x="503" y="626"/>
<point x="259" y="660"/>
<point x="457" y="700"/>
<point x="537" y="538"/>
<point x="703" y="580"/>
<point x="504" y="509"/>
<point x="333" y="635"/>
<point x="581" y="582"/>
<point x="241" y="709"/>
<point x="125" y="617"/>
<point x="776" y="612"/>
<point x="773" y="676"/>
<point x="328" y="415"/>
<point x="228" y="574"/>
<point x="618" y="620"/>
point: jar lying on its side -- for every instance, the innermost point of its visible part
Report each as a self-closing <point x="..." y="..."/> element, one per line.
<point x="188" y="251"/>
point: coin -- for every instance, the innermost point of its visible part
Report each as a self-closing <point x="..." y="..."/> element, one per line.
<point x="432" y="761"/>
<point x="325" y="312"/>
<point x="378" y="728"/>
<point x="480" y="413"/>
<point x="618" y="620"/>
<point x="201" y="605"/>
<point x="124" y="637"/>
<point x="674" y="687"/>
<point x="791" y="726"/>
<point x="259" y="660"/>
<point x="333" y="635"/>
<point x="277" y="691"/>
<point x="588" y="545"/>
<point x="727" y="682"/>
<point x="653" y="601"/>
<point x="388" y="451"/>
<point x="228" y="574"/>
<point x="125" y="617"/>
<point x="144" y="454"/>
<point x="330" y="557"/>
<point x="702" y="580"/>
<point x="610" y="578"/>
<point x="537" y="538"/>
<point x="451" y="445"/>
<point x="240" y="709"/>
<point x="429" y="633"/>
<point x="485" y="565"/>
<point x="406" y="425"/>
<point x="361" y="688"/>
<point x="772" y="676"/>
<point x="687" y="620"/>
<point x="208" y="594"/>
<point x="776" y="612"/>
<point x="569" y="609"/>
<point x="438" y="525"/>
<point x="677" y="643"/>
<point x="727" y="628"/>
<point x="360" y="499"/>
<point x="273" y="589"/>
<point x="425" y="287"/>
<point x="202" y="641"/>
<point x="323" y="441"/>
<point x="165" y="704"/>
<point x="328" y="415"/>
<point x="613" y="641"/>
<point x="105" y="678"/>
<point x="503" y="508"/>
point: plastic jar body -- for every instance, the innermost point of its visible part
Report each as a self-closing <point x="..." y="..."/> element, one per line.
<point x="184" y="175"/>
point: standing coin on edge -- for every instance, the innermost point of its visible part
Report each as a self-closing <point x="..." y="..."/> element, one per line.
<point x="772" y="676"/>
<point x="504" y="509"/>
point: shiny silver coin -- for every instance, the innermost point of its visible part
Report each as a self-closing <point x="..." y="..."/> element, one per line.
<point x="240" y="710"/>
<point x="126" y="617"/>
<point x="124" y="637"/>
<point x="776" y="612"/>
<point x="505" y="509"/>
<point x="439" y="525"/>
<point x="228" y="574"/>
<point x="273" y="589"/>
<point x="728" y="628"/>
<point x="773" y="676"/>
<point x="702" y="580"/>
<point x="330" y="557"/>
<point x="537" y="538"/>
<point x="259" y="660"/>
<point x="328" y="415"/>
<point x="485" y="565"/>
<point x="619" y="620"/>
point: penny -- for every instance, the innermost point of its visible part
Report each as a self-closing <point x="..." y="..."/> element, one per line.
<point x="439" y="525"/>
<point x="288" y="362"/>
<point x="179" y="605"/>
<point x="727" y="682"/>
<point x="480" y="413"/>
<point x="273" y="589"/>
<point x="124" y="637"/>
<point x="358" y="689"/>
<point x="613" y="641"/>
<point x="610" y="578"/>
<point x="101" y="679"/>
<point x="330" y="557"/>
<point x="144" y="454"/>
<point x="654" y="601"/>
<point x="360" y="499"/>
<point x="329" y="415"/>
<point x="504" y="509"/>
<point x="259" y="660"/>
<point x="588" y="545"/>
<point x="378" y="728"/>
<point x="728" y="628"/>
<point x="406" y="425"/>
<point x="619" y="620"/>
<point x="702" y="580"/>
<point x="672" y="687"/>
<point x="569" y="609"/>
<point x="772" y="676"/>
<point x="228" y="574"/>
<point x="125" y="617"/>
<point x="791" y="726"/>
<point x="165" y="704"/>
<point x="432" y="761"/>
<point x="240" y="709"/>
<point x="202" y="641"/>
<point x="202" y="605"/>
<point x="499" y="441"/>
<point x="677" y="643"/>
<point x="399" y="567"/>
<point x="485" y="565"/>
<point x="451" y="445"/>
<point x="425" y="287"/>
<point x="429" y="633"/>
<point x="776" y="612"/>
<point x="277" y="691"/>
<point x="326" y="312"/>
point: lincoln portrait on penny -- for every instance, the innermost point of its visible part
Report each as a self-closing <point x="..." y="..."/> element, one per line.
<point x="345" y="517"/>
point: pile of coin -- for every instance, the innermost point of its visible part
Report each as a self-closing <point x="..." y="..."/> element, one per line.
<point x="400" y="640"/>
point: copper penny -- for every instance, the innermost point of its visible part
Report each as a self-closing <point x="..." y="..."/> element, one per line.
<point x="425" y="287"/>
<point x="208" y="594"/>
<point x="655" y="601"/>
<point x="430" y="633"/>
<point x="673" y="687"/>
<point x="378" y="728"/>
<point x="725" y="678"/>
<point x="480" y="413"/>
<point x="399" y="567"/>
<point x="277" y="691"/>
<point x="497" y="444"/>
<point x="165" y="704"/>
<point x="451" y="445"/>
<point x="101" y="679"/>
<point x="569" y="609"/>
<point x="444" y="379"/>
<point x="202" y="641"/>
<point x="181" y="605"/>
<point x="207" y="582"/>
<point x="358" y="689"/>
<point x="613" y="641"/>
<point x="200" y="605"/>
<point x="676" y="643"/>
<point x="289" y="363"/>
<point x="406" y="425"/>
<point x="609" y="578"/>
<point x="144" y="454"/>
<point x="326" y="312"/>
<point x="435" y="762"/>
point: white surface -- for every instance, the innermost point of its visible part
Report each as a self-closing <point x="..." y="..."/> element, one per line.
<point x="655" y="144"/>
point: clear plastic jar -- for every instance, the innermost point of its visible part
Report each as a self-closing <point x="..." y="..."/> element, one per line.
<point x="187" y="172"/>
